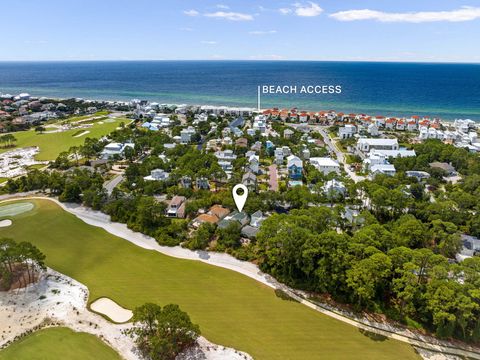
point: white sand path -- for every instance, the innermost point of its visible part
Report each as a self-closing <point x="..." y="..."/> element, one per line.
<point x="83" y="133"/>
<point x="99" y="219"/>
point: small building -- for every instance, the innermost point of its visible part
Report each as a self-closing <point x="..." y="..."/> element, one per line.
<point x="249" y="180"/>
<point x="333" y="188"/>
<point x="254" y="163"/>
<point x="241" y="217"/>
<point x="186" y="135"/>
<point x="287" y="133"/>
<point x="202" y="183"/>
<point x="176" y="207"/>
<point x="257" y="218"/>
<point x="448" y="168"/>
<point x="157" y="175"/>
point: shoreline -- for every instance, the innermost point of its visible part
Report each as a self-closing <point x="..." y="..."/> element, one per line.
<point x="230" y="106"/>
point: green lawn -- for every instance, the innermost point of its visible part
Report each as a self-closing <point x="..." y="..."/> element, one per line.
<point x="59" y="344"/>
<point x="231" y="309"/>
<point x="52" y="144"/>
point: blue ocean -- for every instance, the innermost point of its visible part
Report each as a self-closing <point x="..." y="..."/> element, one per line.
<point x="448" y="91"/>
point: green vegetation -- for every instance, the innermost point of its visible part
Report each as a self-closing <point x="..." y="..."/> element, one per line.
<point x="19" y="262"/>
<point x="230" y="308"/>
<point x="52" y="144"/>
<point x="59" y="344"/>
<point x="162" y="334"/>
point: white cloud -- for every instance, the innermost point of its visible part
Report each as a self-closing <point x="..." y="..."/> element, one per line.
<point x="209" y="42"/>
<point x="262" y="32"/>
<point x="186" y="29"/>
<point x="267" y="57"/>
<point x="223" y="6"/>
<point x="465" y="13"/>
<point x="233" y="16"/>
<point x="309" y="10"/>
<point x="191" y="12"/>
<point x="285" y="11"/>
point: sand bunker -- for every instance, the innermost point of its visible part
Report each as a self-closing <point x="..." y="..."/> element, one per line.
<point x="5" y="223"/>
<point x="82" y="134"/>
<point x="111" y="309"/>
<point x="15" y="209"/>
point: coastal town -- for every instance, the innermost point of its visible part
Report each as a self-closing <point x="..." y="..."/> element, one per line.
<point x="380" y="188"/>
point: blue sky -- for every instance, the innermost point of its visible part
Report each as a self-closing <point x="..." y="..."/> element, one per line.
<point x="379" y="30"/>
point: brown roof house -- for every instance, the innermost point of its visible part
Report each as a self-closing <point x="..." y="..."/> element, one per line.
<point x="176" y="207"/>
<point x="213" y="216"/>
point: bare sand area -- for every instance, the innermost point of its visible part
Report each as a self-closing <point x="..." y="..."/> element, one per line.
<point x="111" y="309"/>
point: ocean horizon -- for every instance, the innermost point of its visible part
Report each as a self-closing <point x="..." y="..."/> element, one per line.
<point x="445" y="90"/>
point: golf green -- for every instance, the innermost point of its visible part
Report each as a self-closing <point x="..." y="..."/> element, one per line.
<point x="231" y="309"/>
<point x="59" y="344"/>
<point x="53" y="143"/>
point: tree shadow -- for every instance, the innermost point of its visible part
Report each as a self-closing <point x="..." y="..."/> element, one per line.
<point x="283" y="295"/>
<point x="372" y="336"/>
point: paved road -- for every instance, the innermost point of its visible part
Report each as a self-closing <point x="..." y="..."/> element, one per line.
<point x="340" y="155"/>
<point x="110" y="185"/>
<point x="272" y="169"/>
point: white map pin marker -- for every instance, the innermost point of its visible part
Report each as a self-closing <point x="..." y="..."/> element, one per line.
<point x="240" y="199"/>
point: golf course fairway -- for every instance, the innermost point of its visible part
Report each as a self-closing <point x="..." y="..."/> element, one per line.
<point x="59" y="344"/>
<point x="231" y="309"/>
<point x="53" y="143"/>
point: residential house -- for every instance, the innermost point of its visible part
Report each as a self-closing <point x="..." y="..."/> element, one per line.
<point x="202" y="183"/>
<point x="186" y="135"/>
<point x="241" y="217"/>
<point x="157" y="175"/>
<point x="372" y="130"/>
<point x="254" y="163"/>
<point x="333" y="188"/>
<point x="347" y="131"/>
<point x="367" y="144"/>
<point x="256" y="219"/>
<point x="295" y="167"/>
<point x="325" y="165"/>
<point x="115" y="149"/>
<point x="176" y="207"/>
<point x="249" y="179"/>
<point x="287" y="133"/>
<point x="186" y="182"/>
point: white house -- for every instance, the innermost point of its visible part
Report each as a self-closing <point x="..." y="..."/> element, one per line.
<point x="347" y="131"/>
<point x="254" y="163"/>
<point x="186" y="135"/>
<point x="325" y="165"/>
<point x="334" y="187"/>
<point x="385" y="169"/>
<point x="157" y="175"/>
<point x="367" y="144"/>
<point x="373" y="130"/>
<point x="114" y="148"/>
